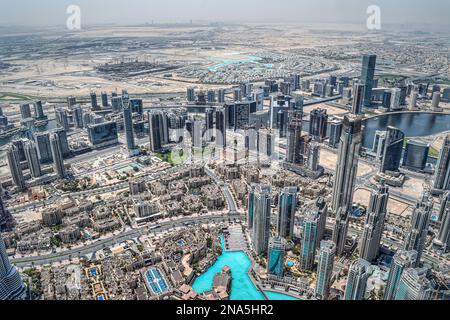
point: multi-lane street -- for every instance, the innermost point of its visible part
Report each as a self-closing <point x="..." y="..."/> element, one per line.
<point x="124" y="236"/>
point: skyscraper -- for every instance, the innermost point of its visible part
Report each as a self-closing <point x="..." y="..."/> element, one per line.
<point x="5" y="215"/>
<point x="11" y="284"/>
<point x="402" y="260"/>
<point x="358" y="274"/>
<point x="15" y="167"/>
<point x="128" y="124"/>
<point x="374" y="224"/>
<point x="221" y="96"/>
<point x="414" y="285"/>
<point x="104" y="100"/>
<point x="325" y="269"/>
<point x="71" y="101"/>
<point x="32" y="158"/>
<point x="25" y="111"/>
<point x="62" y="118"/>
<point x="413" y="101"/>
<point x="155" y="125"/>
<point x="211" y="96"/>
<point x="94" y="103"/>
<point x="335" y="133"/>
<point x="58" y="160"/>
<point x="251" y="206"/>
<point x="358" y="98"/>
<point x="393" y="148"/>
<point x="347" y="164"/>
<point x="416" y="155"/>
<point x="443" y="238"/>
<point x="190" y="94"/>
<point x="318" y="124"/>
<point x="62" y="136"/>
<point x="197" y="133"/>
<point x="395" y="99"/>
<point x="418" y="229"/>
<point x="287" y="204"/>
<point x="275" y="257"/>
<point x="313" y="156"/>
<point x="39" y="110"/>
<point x="313" y="229"/>
<point x="43" y="145"/>
<point x="221" y="127"/>
<point x="367" y="75"/>
<point x="436" y="100"/>
<point x="340" y="230"/>
<point x="442" y="175"/>
<point x="77" y="114"/>
<point x="294" y="153"/>
<point x="209" y="124"/>
<point x="379" y="143"/>
<point x="261" y="218"/>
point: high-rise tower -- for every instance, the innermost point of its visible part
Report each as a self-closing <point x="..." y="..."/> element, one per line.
<point x="325" y="269"/>
<point x="58" y="160"/>
<point x="443" y="239"/>
<point x="358" y="274"/>
<point x="294" y="148"/>
<point x="313" y="229"/>
<point x="393" y="148"/>
<point x="373" y="227"/>
<point x="287" y="204"/>
<point x="14" y="165"/>
<point x="402" y="260"/>
<point x="367" y="75"/>
<point x="318" y="124"/>
<point x="414" y="285"/>
<point x="347" y="164"/>
<point x="128" y="124"/>
<point x="418" y="229"/>
<point x="11" y="284"/>
<point x="358" y="97"/>
<point x="261" y="218"/>
<point x="442" y="175"/>
<point x="32" y="158"/>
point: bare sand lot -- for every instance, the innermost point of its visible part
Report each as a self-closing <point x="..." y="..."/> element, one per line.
<point x="395" y="205"/>
<point x="328" y="161"/>
<point x="412" y="187"/>
<point x="331" y="110"/>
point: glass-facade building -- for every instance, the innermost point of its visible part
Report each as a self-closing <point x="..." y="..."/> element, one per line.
<point x="276" y="255"/>
<point x="402" y="260"/>
<point x="103" y="133"/>
<point x="367" y="75"/>
<point x="287" y="205"/>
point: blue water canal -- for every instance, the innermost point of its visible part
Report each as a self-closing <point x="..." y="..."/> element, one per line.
<point x="242" y="287"/>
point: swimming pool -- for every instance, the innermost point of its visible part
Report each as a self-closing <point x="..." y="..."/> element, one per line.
<point x="242" y="287"/>
<point x="156" y="281"/>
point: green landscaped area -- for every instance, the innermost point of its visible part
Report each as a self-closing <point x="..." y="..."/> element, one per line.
<point x="8" y="96"/>
<point x="389" y="80"/>
<point x="173" y="159"/>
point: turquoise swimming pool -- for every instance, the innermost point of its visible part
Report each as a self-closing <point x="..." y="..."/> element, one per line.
<point x="242" y="287"/>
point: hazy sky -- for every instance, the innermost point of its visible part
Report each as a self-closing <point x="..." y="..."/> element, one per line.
<point x="53" y="12"/>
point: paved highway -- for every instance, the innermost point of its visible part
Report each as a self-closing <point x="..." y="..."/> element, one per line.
<point x="232" y="206"/>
